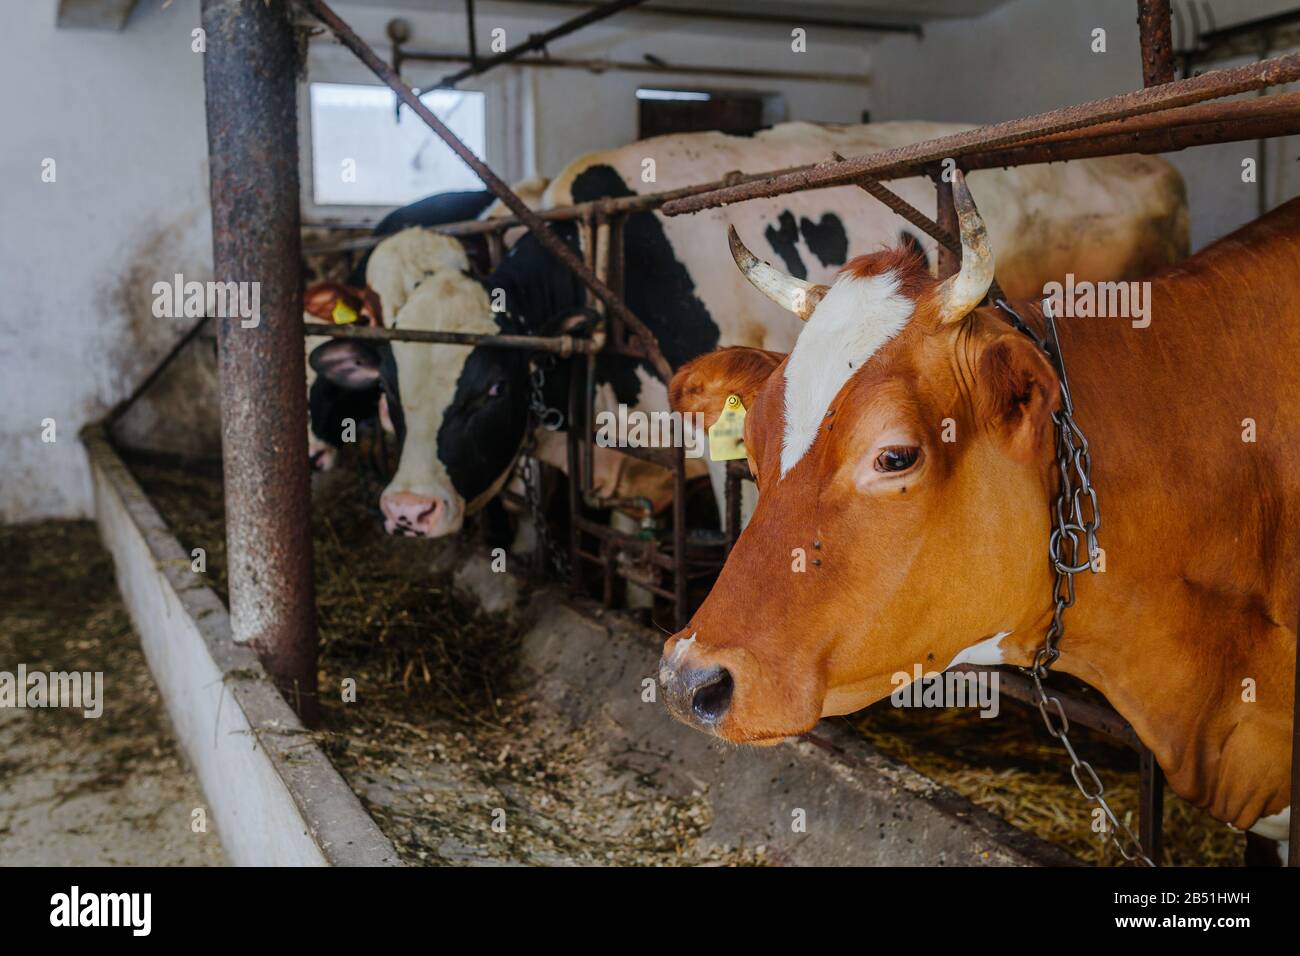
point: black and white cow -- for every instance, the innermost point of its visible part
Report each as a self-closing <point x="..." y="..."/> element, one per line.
<point x="363" y="293"/>
<point x="461" y="412"/>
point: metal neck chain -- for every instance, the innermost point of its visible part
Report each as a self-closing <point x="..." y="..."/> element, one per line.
<point x="1072" y="548"/>
<point x="552" y="419"/>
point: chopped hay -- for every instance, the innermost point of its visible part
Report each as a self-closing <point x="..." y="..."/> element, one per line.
<point x="442" y="708"/>
<point x="441" y="743"/>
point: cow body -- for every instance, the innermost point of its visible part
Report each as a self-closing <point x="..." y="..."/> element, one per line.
<point x="676" y="283"/>
<point x="920" y="483"/>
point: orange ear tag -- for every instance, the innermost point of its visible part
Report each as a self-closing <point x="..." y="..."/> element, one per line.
<point x="343" y="314"/>
<point x="727" y="436"/>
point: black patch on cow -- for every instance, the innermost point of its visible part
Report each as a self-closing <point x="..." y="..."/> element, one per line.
<point x="910" y="241"/>
<point x="784" y="240"/>
<point x="436" y="210"/>
<point x="329" y="405"/>
<point x="481" y="432"/>
<point x="826" y="239"/>
<point x="482" y="429"/>
<point x="656" y="286"/>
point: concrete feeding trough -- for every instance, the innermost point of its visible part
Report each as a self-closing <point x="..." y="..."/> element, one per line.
<point x="826" y="799"/>
<point x="274" y="797"/>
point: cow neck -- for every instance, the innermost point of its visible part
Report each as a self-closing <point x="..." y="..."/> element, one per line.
<point x="1137" y="634"/>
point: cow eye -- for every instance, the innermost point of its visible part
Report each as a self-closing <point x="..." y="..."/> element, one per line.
<point x="495" y="389"/>
<point x="897" y="458"/>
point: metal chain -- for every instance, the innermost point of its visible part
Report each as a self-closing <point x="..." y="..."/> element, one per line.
<point x="552" y="419"/>
<point x="1072" y="548"/>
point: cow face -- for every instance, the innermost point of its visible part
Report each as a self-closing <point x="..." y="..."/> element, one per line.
<point x="902" y="453"/>
<point x="459" y="413"/>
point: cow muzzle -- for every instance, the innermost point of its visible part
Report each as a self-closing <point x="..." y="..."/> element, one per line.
<point x="696" y="693"/>
<point x="421" y="516"/>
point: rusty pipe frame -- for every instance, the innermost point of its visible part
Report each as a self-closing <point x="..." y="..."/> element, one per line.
<point x="561" y="345"/>
<point x="890" y="162"/>
<point x="598" y="66"/>
<point x="1155" y="32"/>
<point x="553" y="243"/>
<point x="1162" y="132"/>
<point x="537" y="41"/>
<point x="251" y="100"/>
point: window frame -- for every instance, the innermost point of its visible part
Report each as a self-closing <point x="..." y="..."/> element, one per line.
<point x="507" y="109"/>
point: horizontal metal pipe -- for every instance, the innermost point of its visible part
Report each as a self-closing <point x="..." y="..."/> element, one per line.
<point x="1097" y="716"/>
<point x="1159" y="141"/>
<point x="537" y="41"/>
<point x="890" y="162"/>
<point x="633" y="66"/>
<point x="744" y="16"/>
<point x="562" y="345"/>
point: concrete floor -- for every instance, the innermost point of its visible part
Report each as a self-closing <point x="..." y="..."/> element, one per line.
<point x="76" y="791"/>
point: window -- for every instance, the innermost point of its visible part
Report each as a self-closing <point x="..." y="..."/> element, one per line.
<point x="738" y="112"/>
<point x="362" y="155"/>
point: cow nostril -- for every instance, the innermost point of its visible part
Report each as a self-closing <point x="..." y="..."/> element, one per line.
<point x="711" y="700"/>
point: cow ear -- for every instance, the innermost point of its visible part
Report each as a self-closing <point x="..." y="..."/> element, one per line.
<point x="703" y="384"/>
<point x="347" y="363"/>
<point x="320" y="298"/>
<point x="1019" y="392"/>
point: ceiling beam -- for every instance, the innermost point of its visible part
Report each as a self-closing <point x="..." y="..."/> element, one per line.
<point x="94" y="14"/>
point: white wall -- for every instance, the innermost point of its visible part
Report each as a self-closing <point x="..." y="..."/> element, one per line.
<point x="1034" y="55"/>
<point x="122" y="116"/>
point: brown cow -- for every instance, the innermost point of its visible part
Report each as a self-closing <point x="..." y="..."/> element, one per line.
<point x="922" y="550"/>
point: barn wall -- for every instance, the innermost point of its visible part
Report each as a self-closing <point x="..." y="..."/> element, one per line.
<point x="575" y="111"/>
<point x="1034" y="55"/>
<point x="121" y="113"/>
<point x="122" y="116"/>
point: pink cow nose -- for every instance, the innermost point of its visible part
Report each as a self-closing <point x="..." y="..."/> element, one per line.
<point x="414" y="515"/>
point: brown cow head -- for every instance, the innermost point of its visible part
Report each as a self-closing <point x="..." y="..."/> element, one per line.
<point x="902" y="453"/>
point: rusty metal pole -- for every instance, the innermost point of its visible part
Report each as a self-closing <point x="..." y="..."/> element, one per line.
<point x="1156" y="34"/>
<point x="250" y="75"/>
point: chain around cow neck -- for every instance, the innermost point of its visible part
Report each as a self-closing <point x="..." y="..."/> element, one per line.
<point x="1072" y="548"/>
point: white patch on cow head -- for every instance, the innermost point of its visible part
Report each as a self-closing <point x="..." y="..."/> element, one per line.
<point x="427" y="377"/>
<point x="985" y="653"/>
<point x="850" y="324"/>
<point x="405" y="260"/>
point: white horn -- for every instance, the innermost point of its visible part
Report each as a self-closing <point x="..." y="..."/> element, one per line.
<point x="960" y="293"/>
<point x="789" y="293"/>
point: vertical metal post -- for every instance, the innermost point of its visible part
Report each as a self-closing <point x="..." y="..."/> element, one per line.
<point x="1155" y="32"/>
<point x="1151" y="805"/>
<point x="250" y="72"/>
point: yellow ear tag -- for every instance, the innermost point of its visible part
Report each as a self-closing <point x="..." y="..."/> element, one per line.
<point x="343" y="314"/>
<point x="727" y="436"/>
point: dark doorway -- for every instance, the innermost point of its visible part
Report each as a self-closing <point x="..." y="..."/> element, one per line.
<point x="740" y="113"/>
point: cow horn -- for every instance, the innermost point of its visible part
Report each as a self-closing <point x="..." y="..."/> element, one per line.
<point x="796" y="295"/>
<point x="962" y="292"/>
